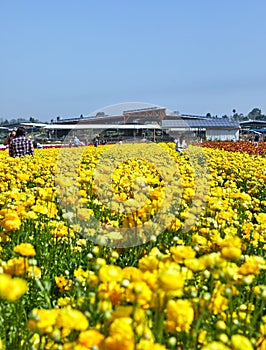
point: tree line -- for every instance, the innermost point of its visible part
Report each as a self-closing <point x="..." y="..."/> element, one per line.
<point x="254" y="114"/>
<point x="17" y="121"/>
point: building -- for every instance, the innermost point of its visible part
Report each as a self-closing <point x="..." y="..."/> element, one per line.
<point x="253" y="125"/>
<point x="209" y="129"/>
<point x="196" y="127"/>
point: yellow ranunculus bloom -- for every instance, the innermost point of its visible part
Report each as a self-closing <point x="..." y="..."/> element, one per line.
<point x="180" y="315"/>
<point x="215" y="345"/>
<point x="110" y="273"/>
<point x="121" y="335"/>
<point x="16" y="266"/>
<point x="239" y="342"/>
<point x="12" y="289"/>
<point x="231" y="253"/>
<point x="42" y="320"/>
<point x="72" y="319"/>
<point x="11" y="222"/>
<point x="90" y="338"/>
<point x="171" y="279"/>
<point x="180" y="253"/>
<point x="145" y="344"/>
<point x="25" y="249"/>
<point x="148" y="263"/>
<point x="261" y="218"/>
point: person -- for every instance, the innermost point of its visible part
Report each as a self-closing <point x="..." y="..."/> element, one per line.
<point x="36" y="144"/>
<point x="10" y="137"/>
<point x="70" y="144"/>
<point x="76" y="141"/>
<point x="21" y="145"/>
<point x="96" y="141"/>
<point x="181" y="144"/>
<point x="256" y="140"/>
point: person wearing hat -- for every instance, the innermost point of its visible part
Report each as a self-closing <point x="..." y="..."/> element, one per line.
<point x="21" y="145"/>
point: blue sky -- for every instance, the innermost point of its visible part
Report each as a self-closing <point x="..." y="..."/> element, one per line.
<point x="71" y="57"/>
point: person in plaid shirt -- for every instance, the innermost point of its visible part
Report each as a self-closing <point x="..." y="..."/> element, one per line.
<point x="21" y="145"/>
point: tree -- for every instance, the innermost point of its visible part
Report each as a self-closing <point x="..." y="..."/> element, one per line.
<point x="255" y="114"/>
<point x="33" y="120"/>
<point x="235" y="116"/>
<point x="4" y="122"/>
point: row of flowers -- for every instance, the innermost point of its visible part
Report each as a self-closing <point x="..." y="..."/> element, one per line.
<point x="133" y="247"/>
<point x="239" y="146"/>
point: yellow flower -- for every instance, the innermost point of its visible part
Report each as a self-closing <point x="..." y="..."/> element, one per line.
<point x="63" y="283"/>
<point x="139" y="292"/>
<point x="180" y="253"/>
<point x="16" y="266"/>
<point x="63" y="302"/>
<point x="12" y="289"/>
<point x="180" y="315"/>
<point x="34" y="272"/>
<point x="104" y="305"/>
<point x="218" y="302"/>
<point x="31" y="215"/>
<point x="132" y="273"/>
<point x="42" y="320"/>
<point x="200" y="242"/>
<point x="250" y="267"/>
<point x="148" y="263"/>
<point x="231" y="253"/>
<point x="110" y="273"/>
<point x="121" y="335"/>
<point x="194" y="264"/>
<point x="215" y="345"/>
<point x="261" y="218"/>
<point x="239" y="342"/>
<point x="11" y="222"/>
<point x="171" y="279"/>
<point x="90" y="338"/>
<point x="145" y="344"/>
<point x="122" y="311"/>
<point x="40" y="208"/>
<point x="62" y="231"/>
<point x="72" y="319"/>
<point x="25" y="249"/>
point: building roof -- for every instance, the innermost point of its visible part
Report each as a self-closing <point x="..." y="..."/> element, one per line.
<point x="100" y="126"/>
<point x="112" y="111"/>
<point x="216" y="123"/>
<point x="253" y="122"/>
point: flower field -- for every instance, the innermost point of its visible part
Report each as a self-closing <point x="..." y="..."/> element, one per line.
<point x="133" y="247"/>
<point x="239" y="146"/>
